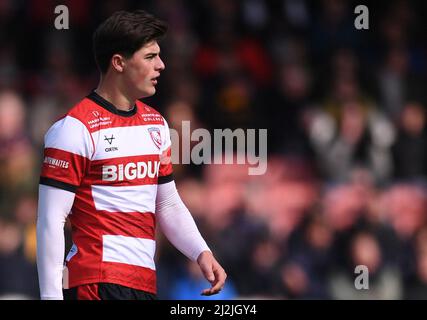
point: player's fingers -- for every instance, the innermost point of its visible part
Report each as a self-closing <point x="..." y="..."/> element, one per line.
<point x="207" y="272"/>
<point x="206" y="292"/>
<point x="220" y="277"/>
<point x="211" y="291"/>
<point x="218" y="284"/>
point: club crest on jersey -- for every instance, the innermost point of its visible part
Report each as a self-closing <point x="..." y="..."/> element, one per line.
<point x="155" y="136"/>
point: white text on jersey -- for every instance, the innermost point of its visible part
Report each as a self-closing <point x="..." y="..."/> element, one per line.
<point x="130" y="171"/>
<point x="56" y="162"/>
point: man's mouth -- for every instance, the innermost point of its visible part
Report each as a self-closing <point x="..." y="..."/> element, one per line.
<point x="154" y="80"/>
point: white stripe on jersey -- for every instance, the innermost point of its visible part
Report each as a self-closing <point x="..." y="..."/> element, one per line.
<point x="125" y="198"/>
<point x="129" y="141"/>
<point x="67" y="134"/>
<point x="129" y="250"/>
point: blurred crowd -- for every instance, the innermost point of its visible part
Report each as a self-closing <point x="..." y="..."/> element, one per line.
<point x="345" y="111"/>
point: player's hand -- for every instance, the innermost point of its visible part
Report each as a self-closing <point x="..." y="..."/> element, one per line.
<point x="212" y="271"/>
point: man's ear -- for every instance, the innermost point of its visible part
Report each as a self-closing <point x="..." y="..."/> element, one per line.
<point x="118" y="62"/>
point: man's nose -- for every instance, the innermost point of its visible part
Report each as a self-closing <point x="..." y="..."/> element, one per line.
<point x="160" y="65"/>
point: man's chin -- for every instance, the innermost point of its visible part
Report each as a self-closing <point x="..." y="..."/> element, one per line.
<point x="147" y="93"/>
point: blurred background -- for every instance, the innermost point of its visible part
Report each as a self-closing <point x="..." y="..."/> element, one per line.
<point x="347" y="156"/>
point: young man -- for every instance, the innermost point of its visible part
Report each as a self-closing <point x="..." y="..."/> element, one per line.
<point x="107" y="163"/>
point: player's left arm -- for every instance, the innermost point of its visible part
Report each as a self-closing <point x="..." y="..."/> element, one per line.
<point x="178" y="225"/>
<point x="180" y="229"/>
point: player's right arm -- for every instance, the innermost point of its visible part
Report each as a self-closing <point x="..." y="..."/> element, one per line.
<point x="68" y="148"/>
<point x="53" y="208"/>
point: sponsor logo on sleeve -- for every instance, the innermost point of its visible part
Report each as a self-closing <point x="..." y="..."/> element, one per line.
<point x="56" y="163"/>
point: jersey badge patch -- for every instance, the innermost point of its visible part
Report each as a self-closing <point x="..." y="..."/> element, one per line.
<point x="155" y="136"/>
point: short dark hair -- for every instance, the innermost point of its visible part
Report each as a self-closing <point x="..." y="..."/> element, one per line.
<point x="125" y="33"/>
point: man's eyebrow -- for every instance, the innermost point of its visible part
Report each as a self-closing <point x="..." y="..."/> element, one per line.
<point x="152" y="53"/>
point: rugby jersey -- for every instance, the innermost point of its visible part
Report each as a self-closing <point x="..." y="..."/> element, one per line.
<point x="113" y="160"/>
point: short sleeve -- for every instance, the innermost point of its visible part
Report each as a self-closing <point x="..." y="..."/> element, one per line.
<point x="67" y="152"/>
<point x="166" y="169"/>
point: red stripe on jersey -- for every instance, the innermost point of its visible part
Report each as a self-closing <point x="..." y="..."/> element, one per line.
<point x="93" y="224"/>
<point x="136" y="277"/>
<point x="63" y="166"/>
<point x="124" y="171"/>
<point x="131" y="276"/>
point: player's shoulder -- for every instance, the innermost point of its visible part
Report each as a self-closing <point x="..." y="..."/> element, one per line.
<point x="77" y="119"/>
<point x="82" y="112"/>
<point x="86" y="110"/>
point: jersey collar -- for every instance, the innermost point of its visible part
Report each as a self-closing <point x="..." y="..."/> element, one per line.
<point x="109" y="106"/>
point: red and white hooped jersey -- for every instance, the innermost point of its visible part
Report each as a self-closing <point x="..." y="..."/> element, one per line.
<point x="113" y="160"/>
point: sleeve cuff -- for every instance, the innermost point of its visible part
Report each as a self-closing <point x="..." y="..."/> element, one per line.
<point x="58" y="184"/>
<point x="165" y="179"/>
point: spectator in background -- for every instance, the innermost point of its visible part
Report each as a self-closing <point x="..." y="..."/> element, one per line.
<point x="18" y="274"/>
<point x="392" y="82"/>
<point x="26" y="216"/>
<point x="404" y="206"/>
<point x="410" y="148"/>
<point x="305" y="269"/>
<point x="384" y="281"/>
<point x="416" y="286"/>
<point x="286" y="104"/>
<point x="17" y="158"/>
<point x="348" y="132"/>
<point x="262" y="271"/>
<point x="333" y="28"/>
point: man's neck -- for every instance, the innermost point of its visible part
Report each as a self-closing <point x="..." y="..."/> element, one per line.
<point x="112" y="93"/>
